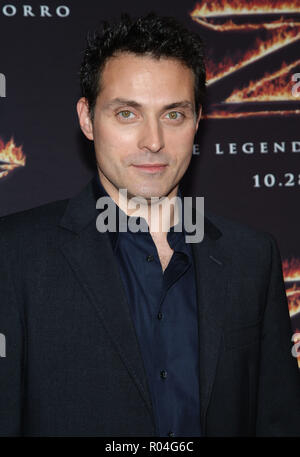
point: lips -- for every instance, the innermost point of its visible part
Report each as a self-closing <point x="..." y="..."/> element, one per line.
<point x="155" y="167"/>
<point x="151" y="167"/>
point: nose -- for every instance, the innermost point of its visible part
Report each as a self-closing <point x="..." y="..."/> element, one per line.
<point x="151" y="136"/>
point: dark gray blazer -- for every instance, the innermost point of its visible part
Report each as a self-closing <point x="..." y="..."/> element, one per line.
<point x="73" y="364"/>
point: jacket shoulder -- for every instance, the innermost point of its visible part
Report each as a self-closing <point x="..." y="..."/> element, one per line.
<point x="237" y="232"/>
<point x="245" y="246"/>
<point x="34" y="219"/>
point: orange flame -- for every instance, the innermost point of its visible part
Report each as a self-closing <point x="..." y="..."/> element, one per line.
<point x="291" y="269"/>
<point x="293" y="296"/>
<point x="222" y="114"/>
<point x="291" y="273"/>
<point x="272" y="87"/>
<point x="279" y="29"/>
<point x="11" y="157"/>
<point x="231" y="26"/>
<point x="278" y="39"/>
<point x="231" y="7"/>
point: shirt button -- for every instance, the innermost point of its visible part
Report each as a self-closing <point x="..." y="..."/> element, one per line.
<point x="171" y="434"/>
<point x="160" y="316"/>
<point x="149" y="258"/>
<point x="163" y="374"/>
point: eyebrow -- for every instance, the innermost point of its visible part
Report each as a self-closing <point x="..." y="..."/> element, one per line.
<point x="133" y="103"/>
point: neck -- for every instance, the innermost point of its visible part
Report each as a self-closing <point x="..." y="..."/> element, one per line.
<point x="160" y="214"/>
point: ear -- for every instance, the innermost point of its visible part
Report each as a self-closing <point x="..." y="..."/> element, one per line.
<point x="84" y="118"/>
<point x="198" y="117"/>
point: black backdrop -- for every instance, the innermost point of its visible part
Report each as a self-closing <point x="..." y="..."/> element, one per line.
<point x="247" y="150"/>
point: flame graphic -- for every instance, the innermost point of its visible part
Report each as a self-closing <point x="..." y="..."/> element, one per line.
<point x="278" y="39"/>
<point x="222" y="114"/>
<point x="291" y="273"/>
<point x="279" y="21"/>
<point x="231" y="7"/>
<point x="231" y="26"/>
<point x="272" y="87"/>
<point x="291" y="269"/>
<point x="293" y="296"/>
<point x="11" y="157"/>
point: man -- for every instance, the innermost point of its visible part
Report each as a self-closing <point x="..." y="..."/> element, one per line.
<point x="125" y="333"/>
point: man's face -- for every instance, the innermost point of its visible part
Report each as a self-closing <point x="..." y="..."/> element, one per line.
<point x="144" y="115"/>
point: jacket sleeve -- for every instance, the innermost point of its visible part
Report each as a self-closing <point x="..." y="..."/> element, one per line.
<point x="11" y="353"/>
<point x="278" y="403"/>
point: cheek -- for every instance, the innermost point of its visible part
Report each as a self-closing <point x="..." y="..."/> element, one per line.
<point x="112" y="138"/>
<point x="180" y="142"/>
<point x="113" y="146"/>
<point x="184" y="132"/>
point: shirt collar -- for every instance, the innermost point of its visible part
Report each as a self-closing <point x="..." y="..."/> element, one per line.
<point x="173" y="236"/>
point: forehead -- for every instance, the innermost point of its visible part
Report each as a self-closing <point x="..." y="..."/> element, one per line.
<point x="146" y="79"/>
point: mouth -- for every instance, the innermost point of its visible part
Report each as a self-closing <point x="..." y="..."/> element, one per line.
<point x="151" y="168"/>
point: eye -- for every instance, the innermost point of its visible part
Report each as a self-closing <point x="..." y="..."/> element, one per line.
<point x="125" y="114"/>
<point x="175" y="115"/>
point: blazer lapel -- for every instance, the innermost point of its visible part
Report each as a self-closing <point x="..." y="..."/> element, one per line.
<point x="212" y="269"/>
<point x="90" y="255"/>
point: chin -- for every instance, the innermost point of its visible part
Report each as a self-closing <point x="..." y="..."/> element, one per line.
<point x="153" y="189"/>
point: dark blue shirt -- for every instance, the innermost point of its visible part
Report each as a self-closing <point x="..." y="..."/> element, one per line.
<point x="163" y="306"/>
